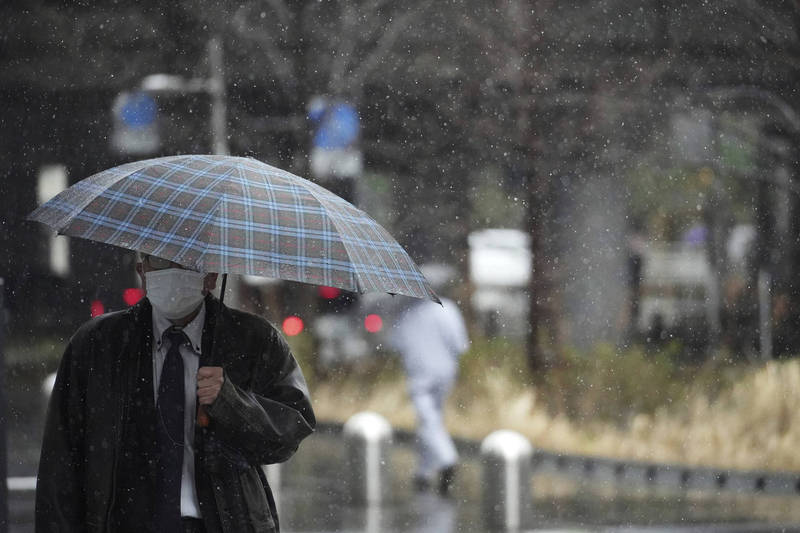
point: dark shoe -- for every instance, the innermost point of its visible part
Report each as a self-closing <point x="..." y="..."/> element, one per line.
<point x="446" y="478"/>
<point x="421" y="484"/>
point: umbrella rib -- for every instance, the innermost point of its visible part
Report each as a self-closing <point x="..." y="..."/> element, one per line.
<point x="204" y="221"/>
<point x="79" y="206"/>
<point x="217" y="210"/>
<point x="247" y="218"/>
<point x="361" y="287"/>
<point x="359" y="284"/>
<point x="160" y="212"/>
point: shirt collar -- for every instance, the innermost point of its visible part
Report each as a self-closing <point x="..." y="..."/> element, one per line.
<point x="193" y="330"/>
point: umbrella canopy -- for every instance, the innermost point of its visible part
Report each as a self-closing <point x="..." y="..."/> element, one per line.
<point x="238" y="215"/>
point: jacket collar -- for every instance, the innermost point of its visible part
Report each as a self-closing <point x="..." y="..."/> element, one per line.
<point x="142" y="314"/>
<point x="193" y="330"/>
<point x="211" y="333"/>
<point x="141" y="310"/>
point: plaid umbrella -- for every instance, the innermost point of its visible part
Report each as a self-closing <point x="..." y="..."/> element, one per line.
<point x="235" y="215"/>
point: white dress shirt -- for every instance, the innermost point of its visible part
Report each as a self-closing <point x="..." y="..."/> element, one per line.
<point x="191" y="362"/>
<point x="430" y="338"/>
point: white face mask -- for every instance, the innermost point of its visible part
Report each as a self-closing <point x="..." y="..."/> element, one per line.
<point x="174" y="292"/>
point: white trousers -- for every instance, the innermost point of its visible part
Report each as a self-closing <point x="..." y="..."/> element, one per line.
<point x="436" y="448"/>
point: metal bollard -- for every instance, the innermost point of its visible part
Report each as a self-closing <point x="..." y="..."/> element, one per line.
<point x="506" y="457"/>
<point x="3" y="417"/>
<point x="367" y="437"/>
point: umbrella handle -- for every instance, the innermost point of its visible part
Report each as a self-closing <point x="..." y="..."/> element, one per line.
<point x="202" y="416"/>
<point x="203" y="420"/>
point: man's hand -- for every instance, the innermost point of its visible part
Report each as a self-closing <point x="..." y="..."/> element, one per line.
<point x="209" y="383"/>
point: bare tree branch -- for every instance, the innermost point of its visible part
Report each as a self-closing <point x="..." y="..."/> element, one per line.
<point x="486" y="36"/>
<point x="344" y="53"/>
<point x="280" y="8"/>
<point x="785" y="110"/>
<point x="280" y="63"/>
<point x="385" y="44"/>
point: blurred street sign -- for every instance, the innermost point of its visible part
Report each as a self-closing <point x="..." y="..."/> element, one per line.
<point x="135" y="124"/>
<point x="500" y="272"/>
<point x="52" y="180"/>
<point x="336" y="163"/>
<point x="337" y="125"/>
<point x="334" y="151"/>
<point x="499" y="257"/>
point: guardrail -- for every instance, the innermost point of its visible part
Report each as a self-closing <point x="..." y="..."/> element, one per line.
<point x="629" y="472"/>
<point x="508" y="462"/>
<point x="675" y="476"/>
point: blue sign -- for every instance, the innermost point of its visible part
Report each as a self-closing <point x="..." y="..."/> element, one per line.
<point x="135" y="125"/>
<point x="138" y="110"/>
<point x="337" y="126"/>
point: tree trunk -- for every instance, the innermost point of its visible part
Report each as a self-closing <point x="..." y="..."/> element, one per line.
<point x="540" y="335"/>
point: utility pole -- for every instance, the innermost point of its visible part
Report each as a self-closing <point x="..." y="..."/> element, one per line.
<point x="783" y="114"/>
<point x="216" y="88"/>
<point x="524" y="136"/>
<point x="715" y="255"/>
<point x="3" y="417"/>
<point x="219" y="132"/>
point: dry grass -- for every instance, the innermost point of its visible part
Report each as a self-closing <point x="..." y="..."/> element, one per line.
<point x="753" y="425"/>
<point x="745" y="418"/>
<point x="631" y="405"/>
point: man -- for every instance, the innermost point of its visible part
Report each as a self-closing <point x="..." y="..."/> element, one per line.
<point x="122" y="451"/>
<point x="430" y="338"/>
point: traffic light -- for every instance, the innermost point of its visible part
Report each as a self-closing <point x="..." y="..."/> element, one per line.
<point x="373" y="323"/>
<point x="333" y="300"/>
<point x="133" y="295"/>
<point x="293" y="325"/>
<point x="96" y="308"/>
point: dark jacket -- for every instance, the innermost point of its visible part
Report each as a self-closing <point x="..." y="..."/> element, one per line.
<point x="260" y="416"/>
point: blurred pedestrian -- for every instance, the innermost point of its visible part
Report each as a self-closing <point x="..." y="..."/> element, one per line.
<point x="121" y="449"/>
<point x="430" y="339"/>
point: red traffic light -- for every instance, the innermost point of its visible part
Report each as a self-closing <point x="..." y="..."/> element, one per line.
<point x="329" y="293"/>
<point x="373" y="323"/>
<point x="132" y="296"/>
<point x="292" y="325"/>
<point x="96" y="308"/>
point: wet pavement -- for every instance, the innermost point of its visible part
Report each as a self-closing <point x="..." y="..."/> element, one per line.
<point x="314" y="500"/>
<point x="312" y="496"/>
